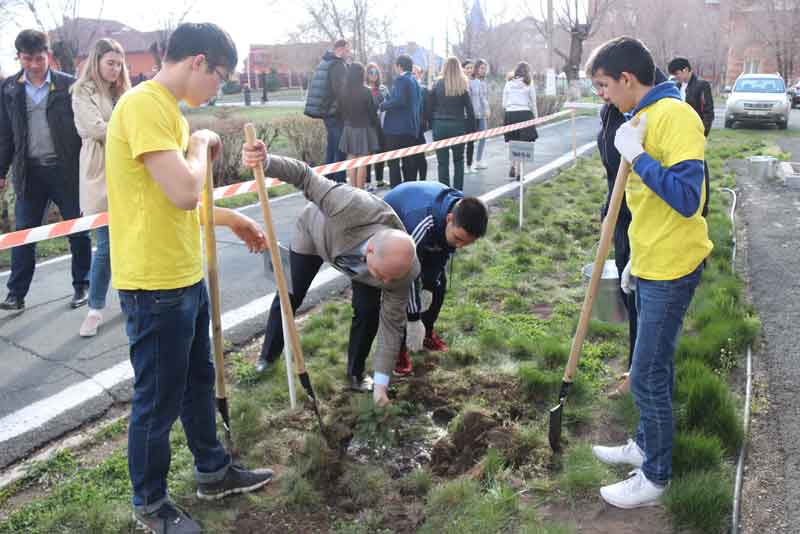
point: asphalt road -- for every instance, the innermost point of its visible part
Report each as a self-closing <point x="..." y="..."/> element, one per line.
<point x="44" y="363"/>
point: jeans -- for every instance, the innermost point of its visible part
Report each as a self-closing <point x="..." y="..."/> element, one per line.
<point x="100" y="274"/>
<point x="443" y="129"/>
<point x="661" y="305"/>
<point x="394" y="142"/>
<point x="334" y="127"/>
<point x="481" y="142"/>
<point x="45" y="184"/>
<point x="170" y="351"/>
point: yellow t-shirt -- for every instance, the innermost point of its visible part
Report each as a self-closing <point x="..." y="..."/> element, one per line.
<point x="665" y="245"/>
<point x="154" y="244"/>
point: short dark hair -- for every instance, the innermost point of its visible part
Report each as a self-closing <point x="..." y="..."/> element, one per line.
<point x="472" y="215"/>
<point x="624" y="54"/>
<point x="31" y="42"/>
<point x="679" y="63"/>
<point x="341" y="43"/>
<point x="192" y="39"/>
<point x="405" y="62"/>
<point x="466" y="62"/>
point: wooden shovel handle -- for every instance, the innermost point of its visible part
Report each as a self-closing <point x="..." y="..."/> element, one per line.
<point x="213" y="280"/>
<point x="290" y="335"/>
<point x="607" y="233"/>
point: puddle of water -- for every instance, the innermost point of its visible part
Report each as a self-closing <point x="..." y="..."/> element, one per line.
<point x="416" y="437"/>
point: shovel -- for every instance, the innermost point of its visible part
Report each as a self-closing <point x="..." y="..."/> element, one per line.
<point x="290" y="335"/>
<point x="607" y="232"/>
<point x="213" y="289"/>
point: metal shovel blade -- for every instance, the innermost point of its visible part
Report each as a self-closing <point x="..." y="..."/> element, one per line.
<point x="305" y="381"/>
<point x="554" y="431"/>
<point x="287" y="270"/>
<point x="224" y="411"/>
<point x="556" y="412"/>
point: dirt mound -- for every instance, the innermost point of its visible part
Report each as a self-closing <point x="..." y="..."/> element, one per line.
<point x="475" y="433"/>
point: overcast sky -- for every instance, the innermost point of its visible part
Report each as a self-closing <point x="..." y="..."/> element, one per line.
<point x="416" y="20"/>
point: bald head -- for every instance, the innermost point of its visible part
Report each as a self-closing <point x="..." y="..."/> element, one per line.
<point x="390" y="255"/>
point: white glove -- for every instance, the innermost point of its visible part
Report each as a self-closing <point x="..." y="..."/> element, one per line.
<point x="425" y="300"/>
<point x="627" y="281"/>
<point x="629" y="139"/>
<point x="415" y="335"/>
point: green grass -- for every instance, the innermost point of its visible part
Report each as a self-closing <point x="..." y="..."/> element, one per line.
<point x="695" y="452"/>
<point x="701" y="501"/>
<point x="583" y="473"/>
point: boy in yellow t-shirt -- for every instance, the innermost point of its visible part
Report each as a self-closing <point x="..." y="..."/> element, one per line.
<point x="156" y="173"/>
<point x="669" y="242"/>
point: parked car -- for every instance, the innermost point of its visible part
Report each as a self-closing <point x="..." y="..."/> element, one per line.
<point x="758" y="98"/>
<point x="794" y="94"/>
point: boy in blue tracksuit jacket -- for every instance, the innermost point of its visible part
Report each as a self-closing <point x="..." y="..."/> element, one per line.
<point x="440" y="220"/>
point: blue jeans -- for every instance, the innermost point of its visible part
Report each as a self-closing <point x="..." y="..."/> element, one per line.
<point x="661" y="305"/>
<point x="482" y="123"/>
<point x="170" y="351"/>
<point x="100" y="274"/>
<point x="334" y="127"/>
<point x="46" y="184"/>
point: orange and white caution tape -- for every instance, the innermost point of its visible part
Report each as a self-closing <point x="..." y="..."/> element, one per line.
<point x="89" y="222"/>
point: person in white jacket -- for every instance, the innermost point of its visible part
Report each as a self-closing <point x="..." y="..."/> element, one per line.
<point x="103" y="80"/>
<point x="519" y="105"/>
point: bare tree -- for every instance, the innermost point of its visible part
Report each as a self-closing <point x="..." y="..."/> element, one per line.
<point x="64" y="18"/>
<point x="355" y="20"/>
<point x="581" y="20"/>
<point x="776" y="23"/>
<point x="167" y="24"/>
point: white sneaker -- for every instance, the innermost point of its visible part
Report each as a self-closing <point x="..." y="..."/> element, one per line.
<point x="634" y="492"/>
<point x="468" y="169"/>
<point x="629" y="454"/>
<point x="91" y="323"/>
<point x="481" y="166"/>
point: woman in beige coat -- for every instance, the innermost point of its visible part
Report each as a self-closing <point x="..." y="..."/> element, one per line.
<point x="103" y="80"/>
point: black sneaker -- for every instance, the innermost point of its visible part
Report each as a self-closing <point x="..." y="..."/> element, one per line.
<point x="12" y="302"/>
<point x="167" y="520"/>
<point x="237" y="480"/>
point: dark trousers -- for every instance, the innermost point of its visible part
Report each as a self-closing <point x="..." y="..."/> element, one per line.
<point x="334" y="127"/>
<point x="170" y="351"/>
<point x="622" y="254"/>
<point x="303" y="268"/>
<point x="444" y="129"/>
<point x="470" y="152"/>
<point x="394" y="142"/>
<point x="45" y="184"/>
<point x="439" y="290"/>
<point x="420" y="163"/>
<point x="366" y="304"/>
<point x="366" y="316"/>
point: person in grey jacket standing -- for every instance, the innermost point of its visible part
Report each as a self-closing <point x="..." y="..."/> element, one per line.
<point x="38" y="135"/>
<point x="362" y="237"/>
<point x="479" y="93"/>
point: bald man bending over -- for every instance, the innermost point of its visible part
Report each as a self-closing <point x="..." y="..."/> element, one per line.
<point x="363" y="238"/>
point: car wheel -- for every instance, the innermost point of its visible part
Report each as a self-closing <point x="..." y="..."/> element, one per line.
<point x="783" y="125"/>
<point x="728" y="123"/>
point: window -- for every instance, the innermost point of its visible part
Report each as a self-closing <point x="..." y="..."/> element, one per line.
<point x="750" y="66"/>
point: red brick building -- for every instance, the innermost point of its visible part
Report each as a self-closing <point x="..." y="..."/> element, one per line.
<point x="293" y="62"/>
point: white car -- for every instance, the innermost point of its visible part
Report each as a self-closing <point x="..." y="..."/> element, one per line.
<point x="758" y="98"/>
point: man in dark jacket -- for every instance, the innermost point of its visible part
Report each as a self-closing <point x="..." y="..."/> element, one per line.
<point x="325" y="90"/>
<point x="697" y="93"/>
<point x="401" y="125"/>
<point x="440" y="220"/>
<point x="38" y="136"/>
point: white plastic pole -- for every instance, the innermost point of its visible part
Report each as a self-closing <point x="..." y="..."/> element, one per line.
<point x="287" y="354"/>
<point x="521" y="191"/>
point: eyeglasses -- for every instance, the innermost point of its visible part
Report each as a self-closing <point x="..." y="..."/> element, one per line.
<point x="222" y="77"/>
<point x="372" y="71"/>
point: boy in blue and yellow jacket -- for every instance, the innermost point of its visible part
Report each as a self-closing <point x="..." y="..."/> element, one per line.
<point x="669" y="243"/>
